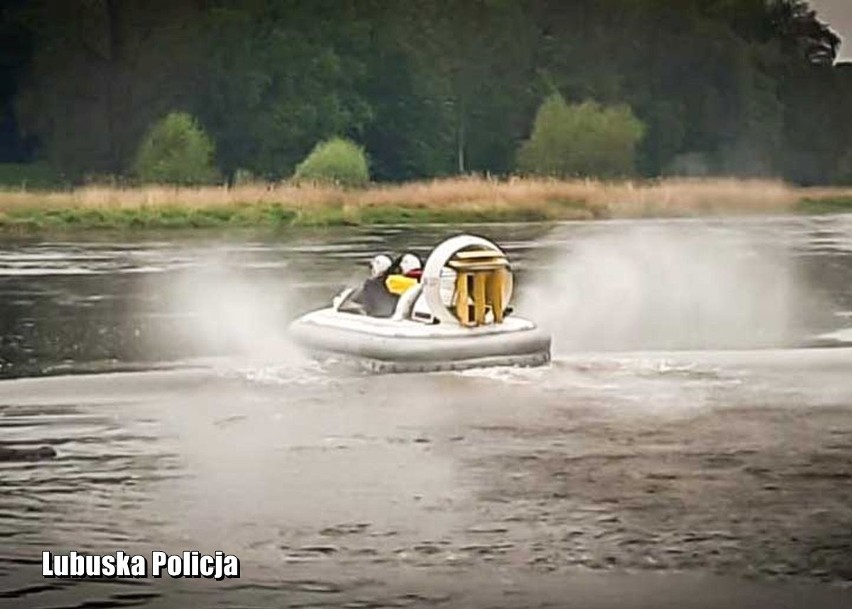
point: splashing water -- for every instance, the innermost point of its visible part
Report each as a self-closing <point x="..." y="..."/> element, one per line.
<point x="661" y="286"/>
<point x="235" y="314"/>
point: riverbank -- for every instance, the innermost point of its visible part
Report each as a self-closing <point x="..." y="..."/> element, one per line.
<point x="449" y="200"/>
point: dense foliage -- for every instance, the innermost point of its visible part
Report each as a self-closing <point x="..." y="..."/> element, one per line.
<point x="581" y="140"/>
<point x="335" y="161"/>
<point x="29" y="176"/>
<point x="175" y="151"/>
<point x="433" y="87"/>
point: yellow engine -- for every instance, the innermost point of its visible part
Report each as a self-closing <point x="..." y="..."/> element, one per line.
<point x="481" y="276"/>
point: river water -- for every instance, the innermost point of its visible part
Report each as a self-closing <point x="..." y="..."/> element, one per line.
<point x="689" y="446"/>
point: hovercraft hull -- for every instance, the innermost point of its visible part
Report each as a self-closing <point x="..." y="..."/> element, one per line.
<point x="384" y="345"/>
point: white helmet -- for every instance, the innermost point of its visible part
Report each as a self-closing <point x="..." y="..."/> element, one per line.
<point x="410" y="262"/>
<point x="380" y="264"/>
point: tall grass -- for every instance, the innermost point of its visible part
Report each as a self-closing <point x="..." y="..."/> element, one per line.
<point x="454" y="199"/>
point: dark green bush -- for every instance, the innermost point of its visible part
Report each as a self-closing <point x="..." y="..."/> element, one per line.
<point x="587" y="140"/>
<point x="176" y="150"/>
<point x="335" y="161"/>
<point x="29" y="176"/>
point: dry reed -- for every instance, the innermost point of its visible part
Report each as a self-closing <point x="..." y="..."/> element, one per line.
<point x="553" y="198"/>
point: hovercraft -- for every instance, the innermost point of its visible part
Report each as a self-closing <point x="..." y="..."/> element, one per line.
<point x="458" y="316"/>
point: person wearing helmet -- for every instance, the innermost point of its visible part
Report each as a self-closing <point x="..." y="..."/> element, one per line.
<point x="380" y="265"/>
<point x="411" y="266"/>
<point x="410" y="269"/>
<point x="373" y="297"/>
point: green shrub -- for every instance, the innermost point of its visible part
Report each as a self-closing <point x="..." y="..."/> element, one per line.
<point x="585" y="139"/>
<point x="176" y="150"/>
<point x="337" y="161"/>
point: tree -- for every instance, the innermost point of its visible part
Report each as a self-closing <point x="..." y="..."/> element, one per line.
<point x="476" y="61"/>
<point x="275" y="81"/>
<point x="336" y="161"/>
<point x="100" y="72"/>
<point x="797" y="26"/>
<point x="431" y="88"/>
<point x="581" y="140"/>
<point x="176" y="150"/>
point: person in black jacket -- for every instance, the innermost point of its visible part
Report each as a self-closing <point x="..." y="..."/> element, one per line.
<point x="373" y="297"/>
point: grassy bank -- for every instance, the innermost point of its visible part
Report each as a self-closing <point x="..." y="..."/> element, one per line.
<point x="450" y="200"/>
<point x="826" y="202"/>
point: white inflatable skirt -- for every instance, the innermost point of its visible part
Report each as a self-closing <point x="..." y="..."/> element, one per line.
<point x="385" y="345"/>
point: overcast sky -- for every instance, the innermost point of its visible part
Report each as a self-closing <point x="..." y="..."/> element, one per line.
<point x="838" y="14"/>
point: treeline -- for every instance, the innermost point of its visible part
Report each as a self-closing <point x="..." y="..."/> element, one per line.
<point x="429" y="87"/>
